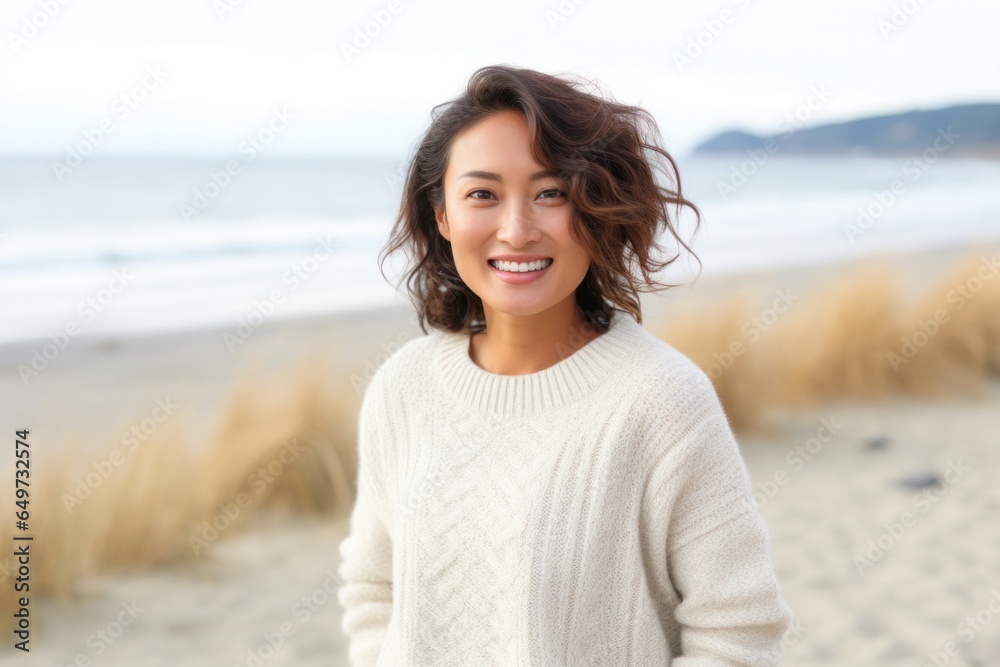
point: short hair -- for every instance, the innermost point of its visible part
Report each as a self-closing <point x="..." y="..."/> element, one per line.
<point x="605" y="153"/>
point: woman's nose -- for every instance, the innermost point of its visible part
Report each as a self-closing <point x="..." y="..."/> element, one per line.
<point x="517" y="225"/>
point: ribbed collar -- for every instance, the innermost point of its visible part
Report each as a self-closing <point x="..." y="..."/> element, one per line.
<point x="534" y="393"/>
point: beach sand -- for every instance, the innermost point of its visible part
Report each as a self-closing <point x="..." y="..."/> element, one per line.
<point x="866" y="590"/>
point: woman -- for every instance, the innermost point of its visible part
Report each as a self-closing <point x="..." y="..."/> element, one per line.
<point x="541" y="480"/>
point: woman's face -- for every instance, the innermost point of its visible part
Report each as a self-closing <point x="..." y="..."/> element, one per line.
<point x="499" y="202"/>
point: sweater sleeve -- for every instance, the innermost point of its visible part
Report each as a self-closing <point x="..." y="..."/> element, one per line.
<point x="366" y="552"/>
<point x="730" y="610"/>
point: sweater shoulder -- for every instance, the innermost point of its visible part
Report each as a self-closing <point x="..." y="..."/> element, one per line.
<point x="404" y="364"/>
<point x="686" y="430"/>
<point x="674" y="375"/>
<point x="675" y="395"/>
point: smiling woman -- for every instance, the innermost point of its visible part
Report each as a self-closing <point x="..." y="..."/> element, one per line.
<point x="591" y="167"/>
<point x="497" y="228"/>
<point x="541" y="481"/>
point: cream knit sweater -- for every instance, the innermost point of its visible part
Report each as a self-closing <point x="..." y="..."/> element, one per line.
<point x="596" y="512"/>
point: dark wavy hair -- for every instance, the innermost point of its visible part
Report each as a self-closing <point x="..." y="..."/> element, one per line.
<point x="606" y="154"/>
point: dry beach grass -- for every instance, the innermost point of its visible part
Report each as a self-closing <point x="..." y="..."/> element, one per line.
<point x="859" y="335"/>
<point x="276" y="449"/>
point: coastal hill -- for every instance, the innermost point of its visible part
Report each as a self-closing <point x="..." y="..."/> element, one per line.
<point x="968" y="130"/>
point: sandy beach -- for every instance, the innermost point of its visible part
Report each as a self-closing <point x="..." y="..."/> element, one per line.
<point x="883" y="513"/>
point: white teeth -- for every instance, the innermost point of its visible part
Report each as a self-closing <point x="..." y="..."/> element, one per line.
<point x="520" y="267"/>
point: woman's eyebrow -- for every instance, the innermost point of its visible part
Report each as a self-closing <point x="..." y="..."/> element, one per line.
<point x="490" y="176"/>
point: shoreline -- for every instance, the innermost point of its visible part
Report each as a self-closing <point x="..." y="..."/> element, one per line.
<point x="392" y="312"/>
<point x="196" y="369"/>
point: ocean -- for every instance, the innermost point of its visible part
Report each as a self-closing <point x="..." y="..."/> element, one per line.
<point x="125" y="246"/>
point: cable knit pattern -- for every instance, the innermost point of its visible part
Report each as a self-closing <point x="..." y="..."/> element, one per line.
<point x="596" y="512"/>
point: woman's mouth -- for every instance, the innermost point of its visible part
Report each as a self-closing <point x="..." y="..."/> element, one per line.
<point x="520" y="267"/>
<point x="519" y="273"/>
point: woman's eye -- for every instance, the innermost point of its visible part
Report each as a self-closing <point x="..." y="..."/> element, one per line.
<point x="554" y="192"/>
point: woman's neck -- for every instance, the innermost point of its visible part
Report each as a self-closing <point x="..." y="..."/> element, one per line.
<point x="518" y="345"/>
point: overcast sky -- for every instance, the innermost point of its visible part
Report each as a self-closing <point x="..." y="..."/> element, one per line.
<point x="199" y="76"/>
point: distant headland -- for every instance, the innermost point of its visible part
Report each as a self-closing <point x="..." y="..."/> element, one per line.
<point x="968" y="130"/>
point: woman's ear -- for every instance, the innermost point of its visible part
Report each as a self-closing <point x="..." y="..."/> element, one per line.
<point x="442" y="219"/>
